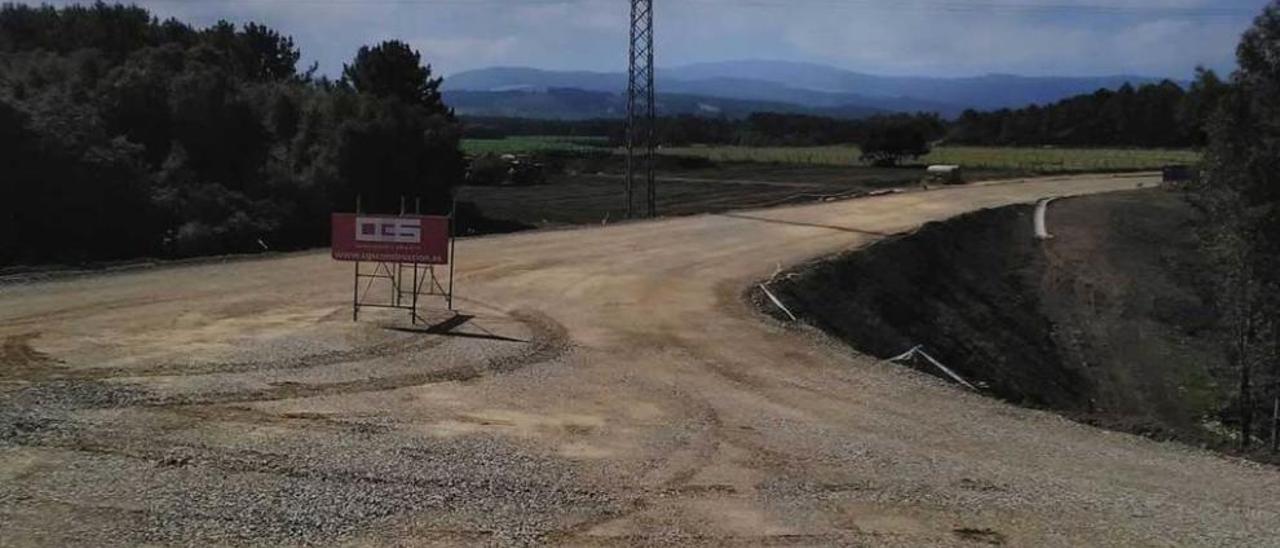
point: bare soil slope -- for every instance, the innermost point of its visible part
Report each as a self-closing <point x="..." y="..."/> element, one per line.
<point x="1106" y="321"/>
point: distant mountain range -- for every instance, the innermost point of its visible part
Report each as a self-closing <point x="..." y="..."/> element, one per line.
<point x="736" y="88"/>
<point x="579" y="104"/>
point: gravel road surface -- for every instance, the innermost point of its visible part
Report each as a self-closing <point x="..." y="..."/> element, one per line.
<point x="603" y="386"/>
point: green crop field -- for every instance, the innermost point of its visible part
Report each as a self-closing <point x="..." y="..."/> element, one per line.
<point x="530" y="144"/>
<point x="1045" y="160"/>
<point x="1060" y="159"/>
<point x="1028" y="159"/>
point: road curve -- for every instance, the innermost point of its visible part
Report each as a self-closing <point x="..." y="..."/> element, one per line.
<point x="611" y="386"/>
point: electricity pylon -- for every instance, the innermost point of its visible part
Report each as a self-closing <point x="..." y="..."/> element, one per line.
<point x="641" y="131"/>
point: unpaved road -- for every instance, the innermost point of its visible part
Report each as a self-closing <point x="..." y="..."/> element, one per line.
<point x="610" y="386"/>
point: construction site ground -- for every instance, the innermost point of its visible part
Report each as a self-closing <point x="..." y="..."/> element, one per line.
<point x="597" y="386"/>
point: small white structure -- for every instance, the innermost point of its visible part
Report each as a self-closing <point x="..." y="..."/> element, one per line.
<point x="1041" y="226"/>
<point x="952" y="175"/>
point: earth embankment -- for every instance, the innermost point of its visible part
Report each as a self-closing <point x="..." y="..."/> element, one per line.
<point x="1107" y="322"/>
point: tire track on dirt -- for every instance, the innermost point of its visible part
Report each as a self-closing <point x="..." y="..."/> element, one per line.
<point x="84" y="310"/>
<point x="432" y="483"/>
<point x="549" y="341"/>
<point x="703" y="448"/>
<point x="393" y="477"/>
<point x="251" y="461"/>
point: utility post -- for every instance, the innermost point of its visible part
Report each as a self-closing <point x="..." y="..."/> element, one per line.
<point x="641" y="131"/>
<point x="1275" y="424"/>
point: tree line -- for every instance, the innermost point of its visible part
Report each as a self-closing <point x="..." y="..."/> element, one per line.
<point x="1238" y="201"/>
<point x="127" y="136"/>
<point x="757" y="129"/>
<point x="1162" y="115"/>
<point x="885" y="140"/>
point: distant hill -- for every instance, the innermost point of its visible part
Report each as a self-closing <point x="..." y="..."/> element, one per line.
<point x="805" y="86"/>
<point x="579" y="104"/>
<point x="987" y="92"/>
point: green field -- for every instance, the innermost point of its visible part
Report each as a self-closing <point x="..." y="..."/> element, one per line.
<point x="1044" y="160"/>
<point x="530" y="144"/>
<point x="1028" y="159"/>
<point x="1061" y="159"/>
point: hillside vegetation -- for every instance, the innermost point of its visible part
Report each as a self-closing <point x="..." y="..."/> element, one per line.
<point x="127" y="136"/>
<point x="1129" y="129"/>
<point x="1160" y="115"/>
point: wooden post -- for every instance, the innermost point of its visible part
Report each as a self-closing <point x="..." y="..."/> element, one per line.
<point x="1275" y="424"/>
<point x="1275" y="388"/>
<point x="413" y="314"/>
<point x="399" y="275"/>
<point x="355" y="285"/>
<point x="453" y="246"/>
<point x="1246" y="386"/>
<point x="417" y="210"/>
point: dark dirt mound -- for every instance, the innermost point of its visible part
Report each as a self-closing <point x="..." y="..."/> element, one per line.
<point x="1106" y="322"/>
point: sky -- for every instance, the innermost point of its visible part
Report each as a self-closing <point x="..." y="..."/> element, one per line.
<point x="1162" y="38"/>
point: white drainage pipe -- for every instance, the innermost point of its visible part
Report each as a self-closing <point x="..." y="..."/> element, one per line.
<point x="778" y="302"/>
<point x="918" y="350"/>
<point x="1042" y="207"/>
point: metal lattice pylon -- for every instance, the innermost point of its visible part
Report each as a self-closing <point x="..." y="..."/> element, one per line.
<point x="641" y="132"/>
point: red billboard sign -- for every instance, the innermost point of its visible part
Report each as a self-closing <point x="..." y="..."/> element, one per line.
<point x="390" y="238"/>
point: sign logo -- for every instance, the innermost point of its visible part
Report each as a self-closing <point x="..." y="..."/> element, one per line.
<point x="388" y="230"/>
<point x="418" y="239"/>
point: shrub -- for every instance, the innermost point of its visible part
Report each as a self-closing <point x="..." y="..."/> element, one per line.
<point x="488" y="170"/>
<point x="888" y="145"/>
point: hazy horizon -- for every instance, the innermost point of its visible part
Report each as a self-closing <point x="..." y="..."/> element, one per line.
<point x="934" y="38"/>
<point x="661" y="66"/>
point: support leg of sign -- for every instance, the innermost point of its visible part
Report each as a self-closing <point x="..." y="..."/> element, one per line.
<point x="395" y="284"/>
<point x="355" y="290"/>
<point x="413" y="315"/>
<point x="399" y="277"/>
<point x="422" y="280"/>
<point x="452" y="260"/>
<point x="355" y="294"/>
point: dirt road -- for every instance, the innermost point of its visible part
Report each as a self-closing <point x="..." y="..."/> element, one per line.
<point x="606" y="386"/>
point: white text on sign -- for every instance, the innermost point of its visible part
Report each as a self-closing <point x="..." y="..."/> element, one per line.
<point x="388" y="230"/>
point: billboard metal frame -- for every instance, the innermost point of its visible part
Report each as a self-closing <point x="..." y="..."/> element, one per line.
<point x="407" y="283"/>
